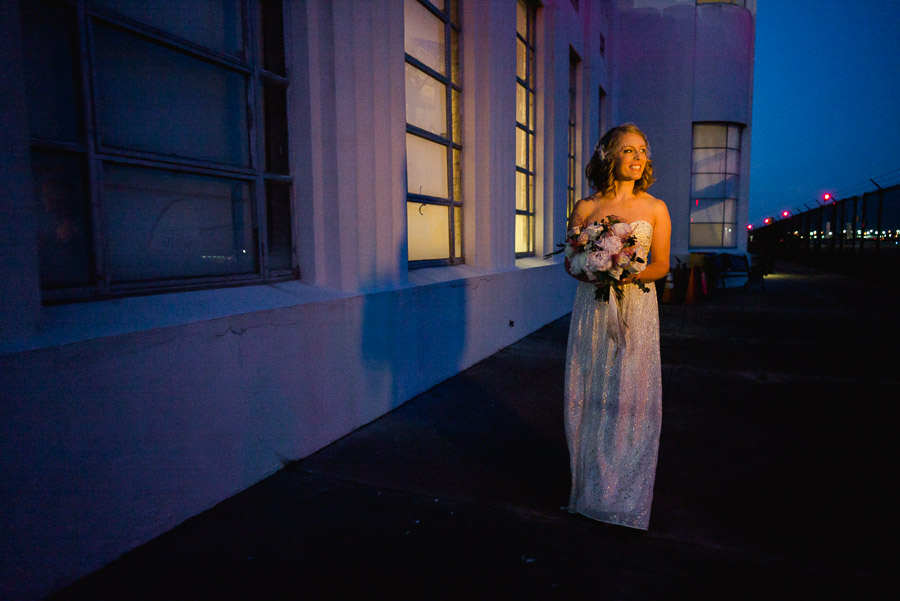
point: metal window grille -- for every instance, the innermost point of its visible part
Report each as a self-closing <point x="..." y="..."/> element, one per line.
<point x="433" y="133"/>
<point x="525" y="127"/>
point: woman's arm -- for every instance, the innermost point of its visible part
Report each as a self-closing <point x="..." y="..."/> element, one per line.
<point x="659" y="248"/>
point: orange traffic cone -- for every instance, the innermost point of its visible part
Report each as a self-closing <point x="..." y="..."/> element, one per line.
<point x="690" y="295"/>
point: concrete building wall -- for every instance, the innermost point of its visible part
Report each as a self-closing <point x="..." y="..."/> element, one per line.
<point x="676" y="63"/>
<point x="121" y="418"/>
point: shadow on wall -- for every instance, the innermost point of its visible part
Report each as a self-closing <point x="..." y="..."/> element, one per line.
<point x="412" y="339"/>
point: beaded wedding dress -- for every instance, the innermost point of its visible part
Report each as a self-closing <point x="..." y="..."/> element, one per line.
<point x="614" y="401"/>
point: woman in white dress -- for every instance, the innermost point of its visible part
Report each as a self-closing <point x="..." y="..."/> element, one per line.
<point x="613" y="383"/>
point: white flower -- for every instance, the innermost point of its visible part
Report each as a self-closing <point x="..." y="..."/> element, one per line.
<point x="615" y="272"/>
<point x="576" y="263"/>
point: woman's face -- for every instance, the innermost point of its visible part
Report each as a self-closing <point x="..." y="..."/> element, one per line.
<point x="631" y="158"/>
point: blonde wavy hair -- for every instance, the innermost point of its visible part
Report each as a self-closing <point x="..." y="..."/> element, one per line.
<point x="599" y="170"/>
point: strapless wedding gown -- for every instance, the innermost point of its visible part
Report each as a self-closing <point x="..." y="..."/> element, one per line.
<point x="614" y="403"/>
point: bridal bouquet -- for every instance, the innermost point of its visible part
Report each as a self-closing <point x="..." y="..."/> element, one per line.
<point x="603" y="252"/>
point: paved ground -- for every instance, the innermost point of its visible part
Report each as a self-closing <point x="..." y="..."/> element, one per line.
<point x="776" y="451"/>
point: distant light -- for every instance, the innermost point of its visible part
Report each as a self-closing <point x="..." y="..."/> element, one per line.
<point x="785" y="213"/>
<point x="826" y="196"/>
<point x="749" y="226"/>
<point x="767" y="220"/>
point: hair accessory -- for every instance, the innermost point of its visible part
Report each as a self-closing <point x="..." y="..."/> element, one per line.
<point x="598" y="149"/>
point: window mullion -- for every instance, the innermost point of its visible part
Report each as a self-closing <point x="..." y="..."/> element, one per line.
<point x="251" y="26"/>
<point x="93" y="185"/>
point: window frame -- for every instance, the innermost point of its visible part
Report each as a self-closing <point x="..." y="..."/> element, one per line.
<point x="694" y="201"/>
<point x="573" y="178"/>
<point x="452" y="81"/>
<point x="94" y="154"/>
<point x="529" y="127"/>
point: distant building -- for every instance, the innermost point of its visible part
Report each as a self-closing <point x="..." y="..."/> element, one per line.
<point x="230" y="238"/>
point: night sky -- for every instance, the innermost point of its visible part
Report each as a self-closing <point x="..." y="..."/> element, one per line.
<point x="826" y="101"/>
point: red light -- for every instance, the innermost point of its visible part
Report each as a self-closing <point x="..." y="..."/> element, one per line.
<point x="767" y="220"/>
<point x="749" y="226"/>
<point x="785" y="213"/>
<point x="827" y="196"/>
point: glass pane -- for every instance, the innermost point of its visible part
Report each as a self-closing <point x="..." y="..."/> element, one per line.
<point x="454" y="57"/>
<point x="148" y="99"/>
<point x="456" y="99"/>
<point x="734" y="136"/>
<point x="272" y="34"/>
<point x="728" y="235"/>
<point x="457" y="175"/>
<point x="709" y="135"/>
<point x="521" y="19"/>
<point x="426" y="101"/>
<point x="520" y="59"/>
<point x="731" y="186"/>
<point x="521" y="156"/>
<point x="730" y="207"/>
<point x="708" y="185"/>
<point x="521" y="104"/>
<point x="63" y="220"/>
<point x="521" y="191"/>
<point x="457" y="232"/>
<point x="275" y="104"/>
<point x="706" y="234"/>
<point x="424" y="36"/>
<point x="428" y="227"/>
<point x="530" y="58"/>
<point x="531" y="154"/>
<point x="426" y="167"/>
<point x="704" y="211"/>
<point x="215" y="24"/>
<point x="523" y="234"/>
<point x="53" y="83"/>
<point x="278" y="225"/>
<point x="163" y="225"/>
<point x="734" y="161"/>
<point x="709" y="160"/>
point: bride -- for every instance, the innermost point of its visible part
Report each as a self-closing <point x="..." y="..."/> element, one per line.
<point x="613" y="384"/>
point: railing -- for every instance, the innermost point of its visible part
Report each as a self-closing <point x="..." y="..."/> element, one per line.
<point x="858" y="234"/>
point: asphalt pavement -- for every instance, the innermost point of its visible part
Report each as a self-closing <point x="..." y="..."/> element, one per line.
<point x="773" y="479"/>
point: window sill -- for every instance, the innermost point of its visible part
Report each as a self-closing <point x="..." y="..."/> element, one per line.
<point x="79" y="322"/>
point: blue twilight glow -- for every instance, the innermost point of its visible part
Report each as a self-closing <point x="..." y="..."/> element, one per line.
<point x="826" y="101"/>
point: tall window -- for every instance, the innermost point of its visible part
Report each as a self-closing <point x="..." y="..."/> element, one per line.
<point x="433" y="132"/>
<point x="714" y="184"/>
<point x="525" y="127"/>
<point x="572" y="153"/>
<point x="158" y="144"/>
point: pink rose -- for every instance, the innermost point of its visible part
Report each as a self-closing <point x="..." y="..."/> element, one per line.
<point x="622" y="230"/>
<point x="610" y="243"/>
<point x="597" y="262"/>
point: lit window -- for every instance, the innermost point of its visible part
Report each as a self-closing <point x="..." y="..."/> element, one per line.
<point x="525" y="127"/>
<point x="572" y="158"/>
<point x="714" y="185"/>
<point x="148" y="171"/>
<point x="433" y="133"/>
